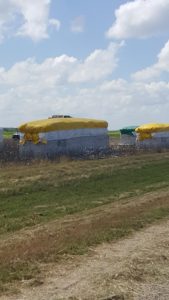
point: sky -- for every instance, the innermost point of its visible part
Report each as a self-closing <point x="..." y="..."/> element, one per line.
<point x="96" y="59"/>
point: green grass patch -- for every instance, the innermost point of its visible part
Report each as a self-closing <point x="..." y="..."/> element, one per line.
<point x="41" y="201"/>
<point x="114" y="133"/>
<point x="17" y="271"/>
<point x="8" y="133"/>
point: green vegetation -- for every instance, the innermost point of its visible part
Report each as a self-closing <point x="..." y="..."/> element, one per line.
<point x="8" y="132"/>
<point x="40" y="201"/>
<point x="81" y="199"/>
<point x="114" y="133"/>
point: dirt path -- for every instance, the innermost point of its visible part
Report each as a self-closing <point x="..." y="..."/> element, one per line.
<point x="134" y="268"/>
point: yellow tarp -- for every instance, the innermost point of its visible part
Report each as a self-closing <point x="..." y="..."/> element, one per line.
<point x="153" y="127"/>
<point x="60" y="124"/>
<point x="145" y="131"/>
<point x="31" y="130"/>
<point x="34" y="138"/>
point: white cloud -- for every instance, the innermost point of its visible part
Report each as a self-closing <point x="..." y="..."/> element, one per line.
<point x="97" y="65"/>
<point x="78" y="24"/>
<point x="55" y="23"/>
<point x="50" y="72"/>
<point x="26" y="18"/>
<point x="31" y="90"/>
<point x="63" y="69"/>
<point x="140" y="19"/>
<point x="154" y="71"/>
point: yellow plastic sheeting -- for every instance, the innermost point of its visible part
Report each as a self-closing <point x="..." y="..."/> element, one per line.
<point x="145" y="131"/>
<point x="54" y="124"/>
<point x="34" y="138"/>
<point x="151" y="128"/>
<point x="144" y="136"/>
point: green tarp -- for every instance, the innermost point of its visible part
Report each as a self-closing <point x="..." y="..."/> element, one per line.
<point x="128" y="130"/>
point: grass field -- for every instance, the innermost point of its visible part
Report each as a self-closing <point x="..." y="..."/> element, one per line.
<point x="114" y="133"/>
<point x="48" y="209"/>
<point x="8" y="132"/>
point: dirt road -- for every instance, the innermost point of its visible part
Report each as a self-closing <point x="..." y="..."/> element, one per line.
<point x="134" y="268"/>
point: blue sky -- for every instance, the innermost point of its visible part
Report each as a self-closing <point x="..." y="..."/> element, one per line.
<point x="97" y="18"/>
<point x="99" y="59"/>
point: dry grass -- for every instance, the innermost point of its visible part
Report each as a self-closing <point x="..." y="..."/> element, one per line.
<point x="22" y="256"/>
<point x="18" y="174"/>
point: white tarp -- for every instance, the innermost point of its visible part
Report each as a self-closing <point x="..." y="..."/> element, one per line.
<point x="164" y="134"/>
<point x="68" y="134"/>
<point x="127" y="139"/>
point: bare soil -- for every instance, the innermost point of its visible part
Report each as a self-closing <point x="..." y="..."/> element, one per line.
<point x="134" y="268"/>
